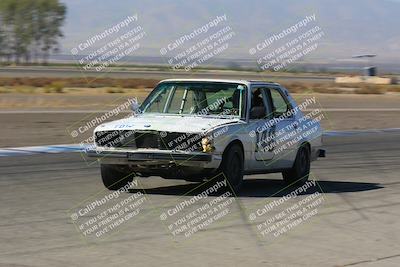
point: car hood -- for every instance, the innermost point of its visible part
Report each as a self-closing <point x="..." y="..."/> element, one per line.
<point x="167" y="123"/>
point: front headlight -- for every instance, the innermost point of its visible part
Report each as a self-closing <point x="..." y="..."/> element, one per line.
<point x="206" y="144"/>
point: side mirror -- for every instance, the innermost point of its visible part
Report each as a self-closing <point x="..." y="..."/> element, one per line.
<point x="257" y="113"/>
<point x="135" y="106"/>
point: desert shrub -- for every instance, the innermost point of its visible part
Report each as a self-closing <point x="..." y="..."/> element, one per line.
<point x="55" y="87"/>
<point x="114" y="90"/>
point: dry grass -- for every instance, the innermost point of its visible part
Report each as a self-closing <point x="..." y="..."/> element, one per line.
<point x="333" y="88"/>
<point x="121" y="86"/>
<point x="25" y="89"/>
<point x="79" y="82"/>
<point x="4" y="90"/>
<point x="304" y="87"/>
<point x="393" y="88"/>
<point x="371" y="90"/>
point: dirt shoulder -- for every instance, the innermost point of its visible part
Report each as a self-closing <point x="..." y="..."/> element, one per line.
<point x="107" y="97"/>
<point x="43" y="120"/>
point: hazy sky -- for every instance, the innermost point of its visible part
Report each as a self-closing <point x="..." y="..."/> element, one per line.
<point x="350" y="26"/>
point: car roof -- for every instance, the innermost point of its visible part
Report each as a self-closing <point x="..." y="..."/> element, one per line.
<point x="247" y="82"/>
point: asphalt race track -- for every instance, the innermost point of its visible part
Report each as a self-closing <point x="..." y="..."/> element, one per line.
<point x="357" y="223"/>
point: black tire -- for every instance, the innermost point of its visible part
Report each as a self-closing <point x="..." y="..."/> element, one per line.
<point x="300" y="171"/>
<point x="114" y="178"/>
<point x="232" y="166"/>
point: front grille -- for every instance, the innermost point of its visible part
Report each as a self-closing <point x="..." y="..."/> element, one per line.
<point x="149" y="139"/>
<point x="115" y="138"/>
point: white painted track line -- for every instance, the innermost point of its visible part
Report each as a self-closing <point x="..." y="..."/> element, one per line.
<point x="68" y="148"/>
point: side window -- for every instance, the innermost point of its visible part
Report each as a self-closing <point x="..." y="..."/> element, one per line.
<point x="258" y="108"/>
<point x="279" y="104"/>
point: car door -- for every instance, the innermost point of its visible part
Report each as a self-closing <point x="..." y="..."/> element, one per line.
<point x="285" y="128"/>
<point x="260" y="129"/>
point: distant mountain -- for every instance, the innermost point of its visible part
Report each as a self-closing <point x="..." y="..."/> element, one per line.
<point x="350" y="26"/>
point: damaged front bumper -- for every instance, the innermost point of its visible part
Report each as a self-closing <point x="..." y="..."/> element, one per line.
<point x="154" y="157"/>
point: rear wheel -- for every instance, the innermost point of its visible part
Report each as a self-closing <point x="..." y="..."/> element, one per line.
<point x="114" y="178"/>
<point x="232" y="166"/>
<point x="299" y="173"/>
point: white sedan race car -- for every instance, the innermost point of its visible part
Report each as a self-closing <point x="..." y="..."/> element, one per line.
<point x="197" y="129"/>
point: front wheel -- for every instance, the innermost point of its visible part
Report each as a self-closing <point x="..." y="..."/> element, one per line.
<point x="114" y="178"/>
<point x="300" y="171"/>
<point x="232" y="166"/>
